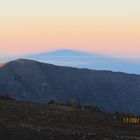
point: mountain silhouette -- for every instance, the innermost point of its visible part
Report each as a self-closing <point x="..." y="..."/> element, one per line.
<point x="80" y="59"/>
<point x="29" y="80"/>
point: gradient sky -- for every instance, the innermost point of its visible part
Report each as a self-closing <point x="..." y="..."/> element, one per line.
<point x="109" y="27"/>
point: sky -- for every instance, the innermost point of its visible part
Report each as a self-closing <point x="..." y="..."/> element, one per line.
<point x="110" y="27"/>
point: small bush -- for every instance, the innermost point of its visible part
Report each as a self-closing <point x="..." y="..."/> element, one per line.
<point x="72" y="101"/>
<point x="5" y="97"/>
<point x="91" y="108"/>
<point x="52" y="101"/>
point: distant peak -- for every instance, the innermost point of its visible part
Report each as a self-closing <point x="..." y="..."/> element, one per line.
<point x="21" y="61"/>
<point x="65" y="52"/>
<point x="69" y="50"/>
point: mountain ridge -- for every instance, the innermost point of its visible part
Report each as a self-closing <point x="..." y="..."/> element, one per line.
<point x="29" y="80"/>
<point x="89" y="60"/>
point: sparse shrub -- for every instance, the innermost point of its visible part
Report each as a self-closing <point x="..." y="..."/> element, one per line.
<point x="73" y="103"/>
<point x="6" y="97"/>
<point x="91" y="108"/>
<point x="52" y="101"/>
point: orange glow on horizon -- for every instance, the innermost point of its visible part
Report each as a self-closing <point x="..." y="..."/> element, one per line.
<point x="105" y="27"/>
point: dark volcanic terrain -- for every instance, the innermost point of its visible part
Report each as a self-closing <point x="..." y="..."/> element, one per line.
<point x="30" y="121"/>
<point x="28" y="80"/>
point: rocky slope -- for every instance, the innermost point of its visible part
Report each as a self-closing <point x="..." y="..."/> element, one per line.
<point x="26" y="121"/>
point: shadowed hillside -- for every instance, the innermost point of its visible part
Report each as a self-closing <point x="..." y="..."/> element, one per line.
<point x="39" y="82"/>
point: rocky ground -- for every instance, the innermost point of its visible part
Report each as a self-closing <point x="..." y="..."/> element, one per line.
<point x="31" y="121"/>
